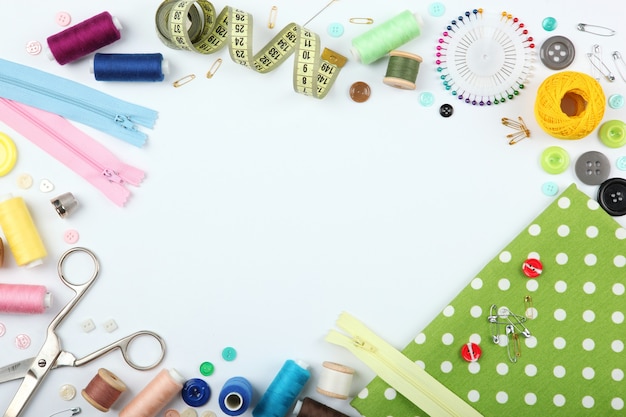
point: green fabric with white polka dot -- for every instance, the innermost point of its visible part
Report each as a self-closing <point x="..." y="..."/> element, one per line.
<point x="573" y="363"/>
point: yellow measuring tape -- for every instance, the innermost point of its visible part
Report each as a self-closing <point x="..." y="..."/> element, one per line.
<point x="195" y="26"/>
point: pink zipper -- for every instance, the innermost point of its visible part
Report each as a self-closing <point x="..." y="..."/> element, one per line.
<point x="71" y="146"/>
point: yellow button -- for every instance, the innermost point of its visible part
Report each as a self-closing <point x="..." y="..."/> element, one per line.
<point x="8" y="154"/>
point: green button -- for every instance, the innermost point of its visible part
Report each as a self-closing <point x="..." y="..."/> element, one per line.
<point x="554" y="160"/>
<point x="207" y="368"/>
<point x="613" y="133"/>
<point x="229" y="354"/>
<point x="549" y="24"/>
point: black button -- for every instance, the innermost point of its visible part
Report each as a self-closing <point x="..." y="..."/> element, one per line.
<point x="612" y="196"/>
<point x="446" y="110"/>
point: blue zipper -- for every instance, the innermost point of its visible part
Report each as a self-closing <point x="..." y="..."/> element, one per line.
<point x="76" y="102"/>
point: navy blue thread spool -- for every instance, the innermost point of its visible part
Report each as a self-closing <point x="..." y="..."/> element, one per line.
<point x="283" y="391"/>
<point x="129" y="67"/>
<point x="235" y="396"/>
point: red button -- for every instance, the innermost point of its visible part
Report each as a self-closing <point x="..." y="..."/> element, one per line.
<point x="532" y="267"/>
<point x="471" y="352"/>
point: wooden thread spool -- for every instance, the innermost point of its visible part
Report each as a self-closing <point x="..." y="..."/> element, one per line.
<point x="103" y="390"/>
<point x="402" y="70"/>
<point x="156" y="395"/>
<point x="335" y="380"/>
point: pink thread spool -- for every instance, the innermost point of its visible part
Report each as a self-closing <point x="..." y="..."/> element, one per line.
<point x="24" y="299"/>
<point x="84" y="38"/>
<point x="155" y="396"/>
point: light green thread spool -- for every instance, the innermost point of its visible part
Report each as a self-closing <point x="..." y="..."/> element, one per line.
<point x="384" y="38"/>
<point x="402" y="70"/>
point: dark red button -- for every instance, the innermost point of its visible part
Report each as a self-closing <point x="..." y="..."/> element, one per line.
<point x="471" y="352"/>
<point x="532" y="267"/>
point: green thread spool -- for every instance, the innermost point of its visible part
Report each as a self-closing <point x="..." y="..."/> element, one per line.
<point x="384" y="38"/>
<point x="402" y="70"/>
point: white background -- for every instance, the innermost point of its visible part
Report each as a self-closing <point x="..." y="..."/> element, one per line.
<point x="264" y="213"/>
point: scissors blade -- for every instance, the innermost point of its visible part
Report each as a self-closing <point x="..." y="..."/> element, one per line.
<point x="23" y="395"/>
<point x="15" y="370"/>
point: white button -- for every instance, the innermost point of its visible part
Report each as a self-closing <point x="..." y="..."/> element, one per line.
<point x="45" y="186"/>
<point x="67" y="392"/>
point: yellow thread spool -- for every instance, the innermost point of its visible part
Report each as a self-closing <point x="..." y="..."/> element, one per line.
<point x="569" y="105"/>
<point x="20" y="232"/>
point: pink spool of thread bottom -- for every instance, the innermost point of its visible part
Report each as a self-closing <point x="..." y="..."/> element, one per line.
<point x="24" y="299"/>
<point x="155" y="396"/>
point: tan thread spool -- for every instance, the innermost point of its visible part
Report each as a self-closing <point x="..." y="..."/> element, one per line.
<point x="155" y="396"/>
<point x="335" y="380"/>
<point x="103" y="390"/>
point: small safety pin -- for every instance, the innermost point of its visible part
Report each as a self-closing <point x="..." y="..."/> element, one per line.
<point x="523" y="133"/>
<point x="494" y="324"/>
<point x="596" y="30"/>
<point x="361" y="20"/>
<point x="524" y="331"/>
<point x="186" y="79"/>
<point x="601" y="66"/>
<point x="272" y="19"/>
<point x="216" y="65"/>
<point x="619" y="62"/>
<point x="513" y="346"/>
<point x="528" y="307"/>
<point x="73" y="411"/>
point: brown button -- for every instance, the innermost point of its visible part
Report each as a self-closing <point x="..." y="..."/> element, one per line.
<point x="360" y="91"/>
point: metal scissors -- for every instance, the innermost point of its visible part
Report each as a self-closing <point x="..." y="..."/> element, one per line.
<point x="51" y="356"/>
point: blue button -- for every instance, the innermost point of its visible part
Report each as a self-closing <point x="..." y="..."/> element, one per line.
<point x="436" y="9"/>
<point x="229" y="354"/>
<point x="196" y="392"/>
<point x="616" y="101"/>
<point x="335" y="30"/>
<point x="549" y="24"/>
<point x="550" y="188"/>
<point x="621" y="163"/>
<point x="427" y="99"/>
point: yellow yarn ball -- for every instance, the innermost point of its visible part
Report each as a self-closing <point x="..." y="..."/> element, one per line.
<point x="569" y="105"/>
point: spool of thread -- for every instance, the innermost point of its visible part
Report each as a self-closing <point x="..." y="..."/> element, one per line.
<point x="103" y="390"/>
<point x="283" y="391"/>
<point x="24" y="299"/>
<point x="20" y="232"/>
<point x="402" y="70"/>
<point x="308" y="407"/>
<point x="84" y="38"/>
<point x="155" y="396"/>
<point x="335" y="380"/>
<point x="235" y="396"/>
<point x="384" y="38"/>
<point x="569" y="105"/>
<point x="129" y="67"/>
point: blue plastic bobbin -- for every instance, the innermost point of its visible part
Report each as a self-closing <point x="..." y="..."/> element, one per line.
<point x="196" y="392"/>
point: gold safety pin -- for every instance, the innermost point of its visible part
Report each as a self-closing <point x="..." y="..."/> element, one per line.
<point x="596" y="30"/>
<point x="186" y="79"/>
<point x="601" y="66"/>
<point x="271" y="22"/>
<point x="216" y="65"/>
<point x="361" y="20"/>
<point x="520" y="125"/>
<point x="528" y="307"/>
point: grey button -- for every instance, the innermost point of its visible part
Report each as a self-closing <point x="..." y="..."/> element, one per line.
<point x="612" y="196"/>
<point x="592" y="168"/>
<point x="557" y="52"/>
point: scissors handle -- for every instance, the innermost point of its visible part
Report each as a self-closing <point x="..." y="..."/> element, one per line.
<point x="79" y="289"/>
<point x="123" y="345"/>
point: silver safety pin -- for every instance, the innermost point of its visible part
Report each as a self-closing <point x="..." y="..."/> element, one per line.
<point x="619" y="64"/>
<point x="595" y="29"/>
<point x="597" y="62"/>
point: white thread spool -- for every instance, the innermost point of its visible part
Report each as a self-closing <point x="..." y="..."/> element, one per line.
<point x="335" y="380"/>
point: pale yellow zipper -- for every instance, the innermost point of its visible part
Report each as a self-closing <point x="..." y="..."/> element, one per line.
<point x="404" y="375"/>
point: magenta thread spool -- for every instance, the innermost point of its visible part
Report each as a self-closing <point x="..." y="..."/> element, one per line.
<point x="24" y="299"/>
<point x="84" y="38"/>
